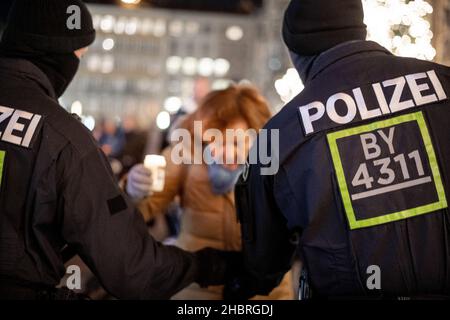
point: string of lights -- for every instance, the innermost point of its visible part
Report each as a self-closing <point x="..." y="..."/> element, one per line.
<point x="401" y="26"/>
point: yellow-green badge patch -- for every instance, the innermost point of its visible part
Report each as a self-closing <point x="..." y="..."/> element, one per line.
<point x="2" y="160"/>
<point x="387" y="171"/>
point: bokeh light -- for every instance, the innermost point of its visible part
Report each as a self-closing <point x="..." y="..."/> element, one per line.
<point x="401" y="26"/>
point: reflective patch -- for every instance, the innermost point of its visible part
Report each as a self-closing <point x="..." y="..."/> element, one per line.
<point x="387" y="171"/>
<point x="2" y="161"/>
<point x="117" y="205"/>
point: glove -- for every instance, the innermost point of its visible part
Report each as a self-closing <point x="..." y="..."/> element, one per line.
<point x="241" y="286"/>
<point x="139" y="182"/>
<point x="215" y="267"/>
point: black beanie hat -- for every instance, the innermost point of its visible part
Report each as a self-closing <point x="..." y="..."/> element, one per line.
<point x="48" y="25"/>
<point x="311" y="27"/>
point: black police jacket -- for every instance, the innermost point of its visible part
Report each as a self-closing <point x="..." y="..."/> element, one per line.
<point x="57" y="189"/>
<point x="360" y="172"/>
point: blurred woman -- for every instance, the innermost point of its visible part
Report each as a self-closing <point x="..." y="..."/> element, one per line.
<point x="206" y="190"/>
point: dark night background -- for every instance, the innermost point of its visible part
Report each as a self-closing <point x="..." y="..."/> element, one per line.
<point x="231" y="6"/>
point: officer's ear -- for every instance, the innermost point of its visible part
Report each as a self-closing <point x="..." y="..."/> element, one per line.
<point x="81" y="52"/>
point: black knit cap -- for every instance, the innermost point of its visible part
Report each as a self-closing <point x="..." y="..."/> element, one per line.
<point x="46" y="25"/>
<point x="313" y="26"/>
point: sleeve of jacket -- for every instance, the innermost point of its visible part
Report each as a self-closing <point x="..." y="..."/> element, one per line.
<point x="266" y="241"/>
<point x="158" y="202"/>
<point x="101" y="224"/>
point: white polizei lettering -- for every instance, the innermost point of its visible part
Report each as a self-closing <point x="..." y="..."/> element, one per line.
<point x="417" y="89"/>
<point x="357" y="103"/>
<point x="396" y="105"/>
<point x="437" y="85"/>
<point x="351" y="108"/>
<point x="14" y="125"/>
<point x="5" y="114"/>
<point x="369" y="142"/>
<point x="361" y="103"/>
<point x="309" y="118"/>
<point x="381" y="98"/>
<point x="388" y="139"/>
<point x="30" y="131"/>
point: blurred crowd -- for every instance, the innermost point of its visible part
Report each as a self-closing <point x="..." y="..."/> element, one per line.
<point x="196" y="209"/>
<point x="122" y="141"/>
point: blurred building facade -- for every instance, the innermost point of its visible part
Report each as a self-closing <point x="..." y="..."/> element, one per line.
<point x="145" y="61"/>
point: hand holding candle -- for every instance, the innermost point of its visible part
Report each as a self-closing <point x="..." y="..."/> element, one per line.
<point x="143" y="179"/>
<point x="157" y="165"/>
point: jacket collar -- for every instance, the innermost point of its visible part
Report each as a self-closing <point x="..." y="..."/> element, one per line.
<point x="30" y="71"/>
<point x="335" y="54"/>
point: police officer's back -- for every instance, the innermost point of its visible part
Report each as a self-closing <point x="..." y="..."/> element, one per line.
<point x="363" y="166"/>
<point x="57" y="189"/>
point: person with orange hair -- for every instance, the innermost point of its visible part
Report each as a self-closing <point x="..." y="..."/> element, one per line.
<point x="206" y="190"/>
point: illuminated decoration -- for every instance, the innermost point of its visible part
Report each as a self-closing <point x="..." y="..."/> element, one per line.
<point x="173" y="64"/>
<point x="173" y="104"/>
<point x="107" y="23"/>
<point x="221" y="67"/>
<point x="93" y="62"/>
<point x="159" y="29"/>
<point x="176" y="28"/>
<point x="147" y="27"/>
<point x="108" y="44"/>
<point x="234" y="33"/>
<point x="192" y="28"/>
<point x="206" y="67"/>
<point x="120" y="26"/>
<point x="107" y="65"/>
<point x="189" y="66"/>
<point x="101" y="63"/>
<point x="221" y="84"/>
<point x="289" y="85"/>
<point x="89" y="122"/>
<point x="132" y="26"/>
<point x="401" y="26"/>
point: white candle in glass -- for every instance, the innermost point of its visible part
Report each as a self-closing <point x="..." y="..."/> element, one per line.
<point x="157" y="165"/>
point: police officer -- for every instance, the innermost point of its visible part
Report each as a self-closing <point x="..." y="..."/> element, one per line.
<point x="359" y="177"/>
<point x="57" y="189"/>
